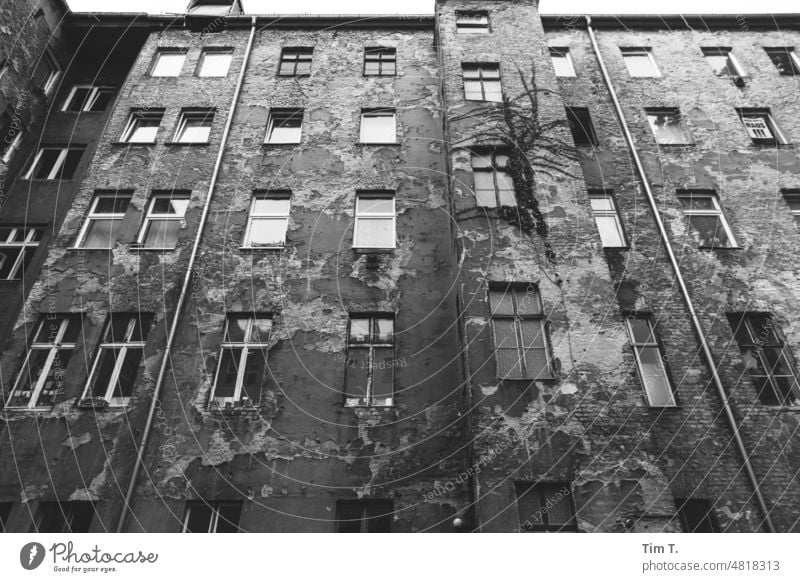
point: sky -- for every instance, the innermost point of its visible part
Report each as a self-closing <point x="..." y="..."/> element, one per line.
<point x="426" y="6"/>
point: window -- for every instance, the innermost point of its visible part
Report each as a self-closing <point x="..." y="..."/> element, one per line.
<point x="168" y="62"/>
<point x="380" y="62"/>
<point x="792" y="198"/>
<point x="520" y="339"/>
<point x="210" y="7"/>
<point x="703" y="212"/>
<point x="64" y="516"/>
<point x="668" y="126"/>
<point x="562" y="62"/>
<point x="296" y="62"/>
<point x="215" y="62"/>
<point x="364" y="516"/>
<point x="243" y="367"/>
<point x="164" y="219"/>
<point x="54" y="163"/>
<point x="761" y="127"/>
<point x="482" y="82"/>
<point x="285" y="126"/>
<point x="42" y="374"/>
<point x="47" y="72"/>
<point x="581" y="126"/>
<point x="10" y="136"/>
<point x="650" y="361"/>
<point x="722" y="62"/>
<point x="369" y="377"/>
<point x="268" y="220"/>
<point x="4" y="66"/>
<point x="5" y="512"/>
<point x="607" y="219"/>
<point x="17" y="246"/>
<point x="785" y="60"/>
<point x="493" y="184"/>
<point x="697" y="516"/>
<point x="545" y="507"/>
<point x="142" y="126"/>
<point x="194" y="126"/>
<point x="640" y="62"/>
<point x="767" y="357"/>
<point x="213" y="517"/>
<point x="472" y="21"/>
<point x="375" y="221"/>
<point x="104" y="221"/>
<point x="88" y="98"/>
<point x="378" y="126"/>
<point x="116" y="363"/>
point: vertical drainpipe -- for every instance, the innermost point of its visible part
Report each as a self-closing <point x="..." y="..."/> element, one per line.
<point x="723" y="395"/>
<point x="165" y="360"/>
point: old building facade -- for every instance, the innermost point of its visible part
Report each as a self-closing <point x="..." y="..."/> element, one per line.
<point x="483" y="270"/>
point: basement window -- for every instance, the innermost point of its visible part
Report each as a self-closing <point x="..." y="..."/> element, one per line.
<point x="41" y="377"/>
<point x="64" y="516"/>
<point x="194" y="126"/>
<point x="142" y="126"/>
<point x="697" y="516"/>
<point x="581" y="126"/>
<point x="472" y="21"/>
<point x="607" y="219"/>
<point x="11" y="133"/>
<point x="215" y="62"/>
<point x="668" y="126"/>
<point x="378" y="126"/>
<point x="482" y="82"/>
<point x="212" y="517"/>
<point x="374" y="221"/>
<point x="640" y="62"/>
<point x="650" y="361"/>
<point x="54" y="163"/>
<point x="767" y="358"/>
<point x="268" y="220"/>
<point x="369" y="374"/>
<point x="494" y="186"/>
<point x="705" y="217"/>
<point x="295" y="62"/>
<point x="284" y="126"/>
<point x="166" y="216"/>
<point x="792" y="198"/>
<point x="5" y="512"/>
<point x="116" y="364"/>
<point x="47" y="72"/>
<point x="521" y="345"/>
<point x="562" y="62"/>
<point x="364" y="516"/>
<point x="243" y="367"/>
<point x="168" y="62"/>
<point x="17" y="247"/>
<point x="785" y="59"/>
<point x="761" y="127"/>
<point x="380" y="62"/>
<point x="722" y="62"/>
<point x="88" y="98"/>
<point x="102" y="225"/>
<point x="545" y="507"/>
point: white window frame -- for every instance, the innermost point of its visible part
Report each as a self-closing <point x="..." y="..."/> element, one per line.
<point x="57" y="166"/>
<point x="651" y="345"/>
<point x="716" y="212"/>
<point x="285" y="114"/>
<point x="53" y="347"/>
<point x="738" y="70"/>
<point x="246" y="346"/>
<point x="612" y="212"/>
<point x="790" y="52"/>
<point x="497" y="171"/>
<point x="94" y="94"/>
<point x="92" y="215"/>
<point x="564" y="54"/>
<point x="375" y="113"/>
<point x="769" y="124"/>
<point x="375" y="215"/>
<point x="166" y="51"/>
<point x="228" y="52"/>
<point x="152" y="216"/>
<point x="472" y="21"/>
<point x="29" y="244"/>
<point x="135" y="119"/>
<point x="384" y="56"/>
<point x="253" y="216"/>
<point x="482" y="70"/>
<point x="12" y="148"/>
<point x="639" y="51"/>
<point x="370" y="345"/>
<point x="215" y="515"/>
<point x="187" y="115"/>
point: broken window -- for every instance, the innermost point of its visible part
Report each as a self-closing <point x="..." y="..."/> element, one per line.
<point x="792" y="198"/>
<point x="10" y="136"/>
<point x="215" y="62"/>
<point x="116" y="364"/>
<point x="243" y="367"/>
<point x="47" y="72"/>
<point x="650" y="361"/>
<point x="364" y="516"/>
<point x="668" y="126"/>
<point x="520" y="338"/>
<point x="767" y="357"/>
<point x="212" y="517"/>
<point x="705" y="217"/>
<point x="142" y="126"/>
<point x="268" y="220"/>
<point x="494" y="186"/>
<point x="640" y="62"/>
<point x="609" y="224"/>
<point x="168" y="62"/>
<point x="562" y="62"/>
<point x="369" y="374"/>
<point x="380" y="62"/>
<point x="103" y="223"/>
<point x="785" y="59"/>
<point x="295" y="61"/>
<point x="17" y="247"/>
<point x="88" y="98"/>
<point x="284" y="126"/>
<point x="5" y="512"/>
<point x="64" y="516"/>
<point x="41" y="377"/>
<point x="165" y="218"/>
<point x="374" y="221"/>
<point x="761" y="127"/>
<point x="194" y="126"/>
<point x="722" y="62"/>
<point x="581" y="126"/>
<point x="697" y="516"/>
<point x="545" y="507"/>
<point x="472" y="21"/>
<point x="54" y="163"/>
<point x="482" y="82"/>
<point x="378" y="126"/>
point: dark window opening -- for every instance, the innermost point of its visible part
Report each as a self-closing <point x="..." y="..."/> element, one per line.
<point x="212" y="517"/>
<point x="364" y="516"/>
<point x="296" y="62"/>
<point x="581" y="126"/>
<point x="5" y="511"/>
<point x="697" y="516"/>
<point x="545" y="507"/>
<point x="65" y="516"/>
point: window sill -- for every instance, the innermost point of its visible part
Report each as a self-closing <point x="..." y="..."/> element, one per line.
<point x="133" y="143"/>
<point x="704" y="248"/>
<point x="10" y="281"/>
<point x="186" y="143"/>
<point x="21" y="409"/>
<point x="272" y="145"/>
<point x="381" y="76"/>
<point x="379" y="143"/>
<point x="665" y="407"/>
<point x="617" y="249"/>
<point x="293" y="76"/>
<point x="359" y="403"/>
<point x="135" y="247"/>
<point x="772" y="145"/>
<point x="380" y="251"/>
<point x="47" y="180"/>
<point x="677" y="146"/>
<point x="262" y="248"/>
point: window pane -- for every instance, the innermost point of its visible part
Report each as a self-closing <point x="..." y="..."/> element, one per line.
<point x="357" y="373"/>
<point x="505" y="187"/>
<point x="228" y="520"/>
<point x="379" y="517"/>
<point x="528" y="301"/>
<point x="537" y="363"/>
<point x="528" y="507"/>
<point x="128" y="372"/>
<point x="199" y="520"/>
<point x="260" y="330"/>
<point x="102" y="100"/>
<point x="162" y="234"/>
<point x="267" y="232"/>
<point x="271" y="206"/>
<point x="359" y="330"/>
<point x="532" y="333"/>
<point x="641" y="331"/>
<point x="610" y="231"/>
<point x="560" y="511"/>
<point x="375" y="205"/>
<point x="254" y="374"/>
<point x="228" y="373"/>
<point x="215" y="64"/>
<point x="104" y="371"/>
<point x="383" y="373"/>
<point x="166" y="205"/>
<point x="55" y="378"/>
<point x="111" y="205"/>
<point x="143" y="132"/>
<point x="384" y="330"/>
<point x="698" y="202"/>
<point x="501" y="302"/>
<point x="484" y="189"/>
<point x="493" y="91"/>
<point x="654" y="377"/>
<point x="28" y="377"/>
<point x="78" y="99"/>
<point x="639" y="63"/>
<point x="47" y="162"/>
<point x="374" y="233"/>
<point x="371" y="67"/>
<point x="508" y="363"/>
<point x="102" y="233"/>
<point x="601" y="202"/>
<point x="710" y="231"/>
<point x="473" y="90"/>
<point x="168" y="65"/>
<point x="195" y="131"/>
<point x="349" y="515"/>
<point x="378" y="128"/>
<point x="8" y="264"/>
<point x="668" y="128"/>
